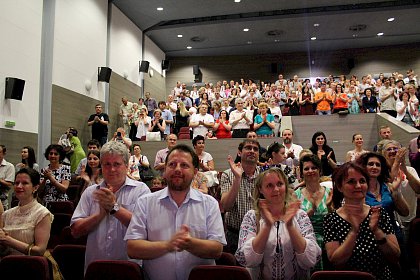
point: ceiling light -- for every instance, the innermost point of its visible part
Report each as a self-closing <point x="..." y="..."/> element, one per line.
<point x="246" y="29"/>
<point x="159" y="9"/>
<point x="189" y="47"/>
<point x="179" y="36"/>
<point x="237" y="1"/>
<point x="313" y="38"/>
<point x="249" y="42"/>
<point x="355" y="35"/>
<point x="380" y="34"/>
<point x="316" y="24"/>
<point x="391" y="19"/>
<point x="276" y="40"/>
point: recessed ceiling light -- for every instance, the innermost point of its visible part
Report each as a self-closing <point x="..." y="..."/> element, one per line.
<point x="249" y="42"/>
<point x="179" y="36"/>
<point x="276" y="40"/>
<point x="237" y="1"/>
<point x="391" y="19"/>
<point x="159" y="8"/>
<point x="316" y="24"/>
<point x="189" y="47"/>
<point x="355" y="35"/>
<point x="246" y="29"/>
<point x="380" y="34"/>
<point x="313" y="38"/>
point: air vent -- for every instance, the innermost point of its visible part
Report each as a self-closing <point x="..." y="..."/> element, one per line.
<point x="358" y="27"/>
<point x="197" y="39"/>
<point x="275" y="33"/>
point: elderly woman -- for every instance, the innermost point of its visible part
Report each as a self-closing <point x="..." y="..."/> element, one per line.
<point x="277" y="240"/>
<point x="25" y="229"/>
<point x="264" y="122"/>
<point x="357" y="236"/>
<point x="55" y="178"/>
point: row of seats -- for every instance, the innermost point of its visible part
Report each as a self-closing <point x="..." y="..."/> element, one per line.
<point x="71" y="262"/>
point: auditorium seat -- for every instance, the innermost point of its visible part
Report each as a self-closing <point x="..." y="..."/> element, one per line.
<point x="66" y="207"/>
<point x="71" y="260"/>
<point x="112" y="270"/>
<point x="350" y="275"/>
<point x="219" y="272"/>
<point x="24" y="267"/>
<point x="60" y="221"/>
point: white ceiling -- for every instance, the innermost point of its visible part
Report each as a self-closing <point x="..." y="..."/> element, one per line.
<point x="220" y="24"/>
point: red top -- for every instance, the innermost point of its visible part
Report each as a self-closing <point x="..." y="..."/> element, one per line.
<point x="221" y="131"/>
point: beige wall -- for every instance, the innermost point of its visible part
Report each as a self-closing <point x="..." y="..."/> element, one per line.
<point x="155" y="85"/>
<point x="369" y="60"/>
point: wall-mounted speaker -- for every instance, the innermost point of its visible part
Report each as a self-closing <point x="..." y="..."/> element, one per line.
<point x="166" y="65"/>
<point x="104" y="74"/>
<point x="350" y="63"/>
<point x="14" y="88"/>
<point x="144" y="66"/>
<point x="196" y="69"/>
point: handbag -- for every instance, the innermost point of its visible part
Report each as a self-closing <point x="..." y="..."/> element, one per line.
<point x="146" y="174"/>
<point x="153" y="136"/>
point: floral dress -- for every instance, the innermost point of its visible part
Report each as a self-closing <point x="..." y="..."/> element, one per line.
<point x="353" y="105"/>
<point x="317" y="218"/>
<point x="51" y="193"/>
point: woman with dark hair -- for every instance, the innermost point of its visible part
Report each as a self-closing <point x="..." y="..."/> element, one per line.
<point x="406" y="110"/>
<point x="222" y="127"/>
<point x="55" y="178"/>
<point x="315" y="199"/>
<point x="137" y="163"/>
<point x="357" y="140"/>
<point x="324" y="152"/>
<point x="382" y="190"/>
<point x="25" y="229"/>
<point x="369" y="101"/>
<point x="205" y="100"/>
<point x="276" y="155"/>
<point x="357" y="236"/>
<point x="28" y="159"/>
<point x="158" y="123"/>
<point x="92" y="173"/>
<point x="306" y="100"/>
<point x="206" y="162"/>
<point x="277" y="240"/>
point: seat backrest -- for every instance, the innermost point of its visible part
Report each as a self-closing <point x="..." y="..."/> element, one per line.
<point x="67" y="238"/>
<point x="61" y="220"/>
<point x="226" y="259"/>
<point x="66" y="207"/>
<point x="111" y="270"/>
<point x="184" y="129"/>
<point x="71" y="260"/>
<point x="219" y="272"/>
<point x="350" y="275"/>
<point x="24" y="267"/>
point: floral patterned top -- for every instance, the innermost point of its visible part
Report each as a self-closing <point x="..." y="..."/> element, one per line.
<point x="283" y="263"/>
<point x="51" y="193"/>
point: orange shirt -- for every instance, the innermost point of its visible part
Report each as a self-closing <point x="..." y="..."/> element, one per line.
<point x="324" y="104"/>
<point x="339" y="104"/>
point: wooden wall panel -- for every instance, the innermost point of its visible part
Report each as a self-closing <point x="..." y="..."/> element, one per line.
<point x="14" y="141"/>
<point x="70" y="108"/>
<point x="155" y="85"/>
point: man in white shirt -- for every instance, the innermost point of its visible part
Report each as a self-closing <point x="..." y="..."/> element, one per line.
<point x="7" y="177"/>
<point x="240" y="119"/>
<point x="201" y="122"/>
<point x="292" y="150"/>
<point x="125" y="109"/>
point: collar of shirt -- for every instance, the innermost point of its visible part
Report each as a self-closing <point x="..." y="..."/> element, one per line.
<point x="192" y="194"/>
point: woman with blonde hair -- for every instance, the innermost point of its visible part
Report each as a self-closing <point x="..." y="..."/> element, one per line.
<point x="181" y="117"/>
<point x="264" y="122"/>
<point x="277" y="240"/>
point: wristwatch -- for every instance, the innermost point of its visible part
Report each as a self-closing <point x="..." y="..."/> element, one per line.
<point x="114" y="209"/>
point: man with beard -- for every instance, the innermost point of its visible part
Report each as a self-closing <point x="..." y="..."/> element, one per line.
<point x="176" y="228"/>
<point x="238" y="184"/>
<point x="292" y="150"/>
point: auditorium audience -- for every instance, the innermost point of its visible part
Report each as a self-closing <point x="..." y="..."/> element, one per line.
<point x="324" y="152"/>
<point x="28" y="159"/>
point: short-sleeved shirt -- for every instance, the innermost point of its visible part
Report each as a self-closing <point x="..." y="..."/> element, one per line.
<point x="244" y="201"/>
<point x="7" y="172"/>
<point x="264" y="129"/>
<point x="201" y="129"/>
<point x="167" y="116"/>
<point x="99" y="130"/>
<point x="157" y="217"/>
<point x="366" y="255"/>
<point x="106" y="241"/>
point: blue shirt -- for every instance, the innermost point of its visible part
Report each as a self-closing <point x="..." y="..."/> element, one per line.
<point x="107" y="242"/>
<point x="157" y="217"/>
<point x="167" y="116"/>
<point x="264" y="129"/>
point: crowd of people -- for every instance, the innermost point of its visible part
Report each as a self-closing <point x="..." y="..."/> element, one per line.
<point x="284" y="211"/>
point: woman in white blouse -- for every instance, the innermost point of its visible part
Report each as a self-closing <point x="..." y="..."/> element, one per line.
<point x="276" y="239"/>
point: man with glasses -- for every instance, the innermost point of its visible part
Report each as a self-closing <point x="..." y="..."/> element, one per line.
<point x="99" y="123"/>
<point x="105" y="210"/>
<point x="237" y="184"/>
<point x="240" y="119"/>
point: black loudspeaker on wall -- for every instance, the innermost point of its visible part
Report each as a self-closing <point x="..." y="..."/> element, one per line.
<point x="104" y="74"/>
<point x="14" y="88"/>
<point x="144" y="66"/>
<point x="166" y="65"/>
<point x="196" y="69"/>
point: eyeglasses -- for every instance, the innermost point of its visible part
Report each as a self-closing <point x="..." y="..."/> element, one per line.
<point x="377" y="164"/>
<point x="251" y="148"/>
<point x="390" y="149"/>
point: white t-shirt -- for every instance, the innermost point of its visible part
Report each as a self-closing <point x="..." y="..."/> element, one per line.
<point x="201" y="129"/>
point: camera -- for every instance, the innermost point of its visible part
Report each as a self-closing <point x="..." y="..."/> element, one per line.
<point x="119" y="134"/>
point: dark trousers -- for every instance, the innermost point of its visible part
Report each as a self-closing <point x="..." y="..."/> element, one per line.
<point x="232" y="238"/>
<point x="239" y="133"/>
